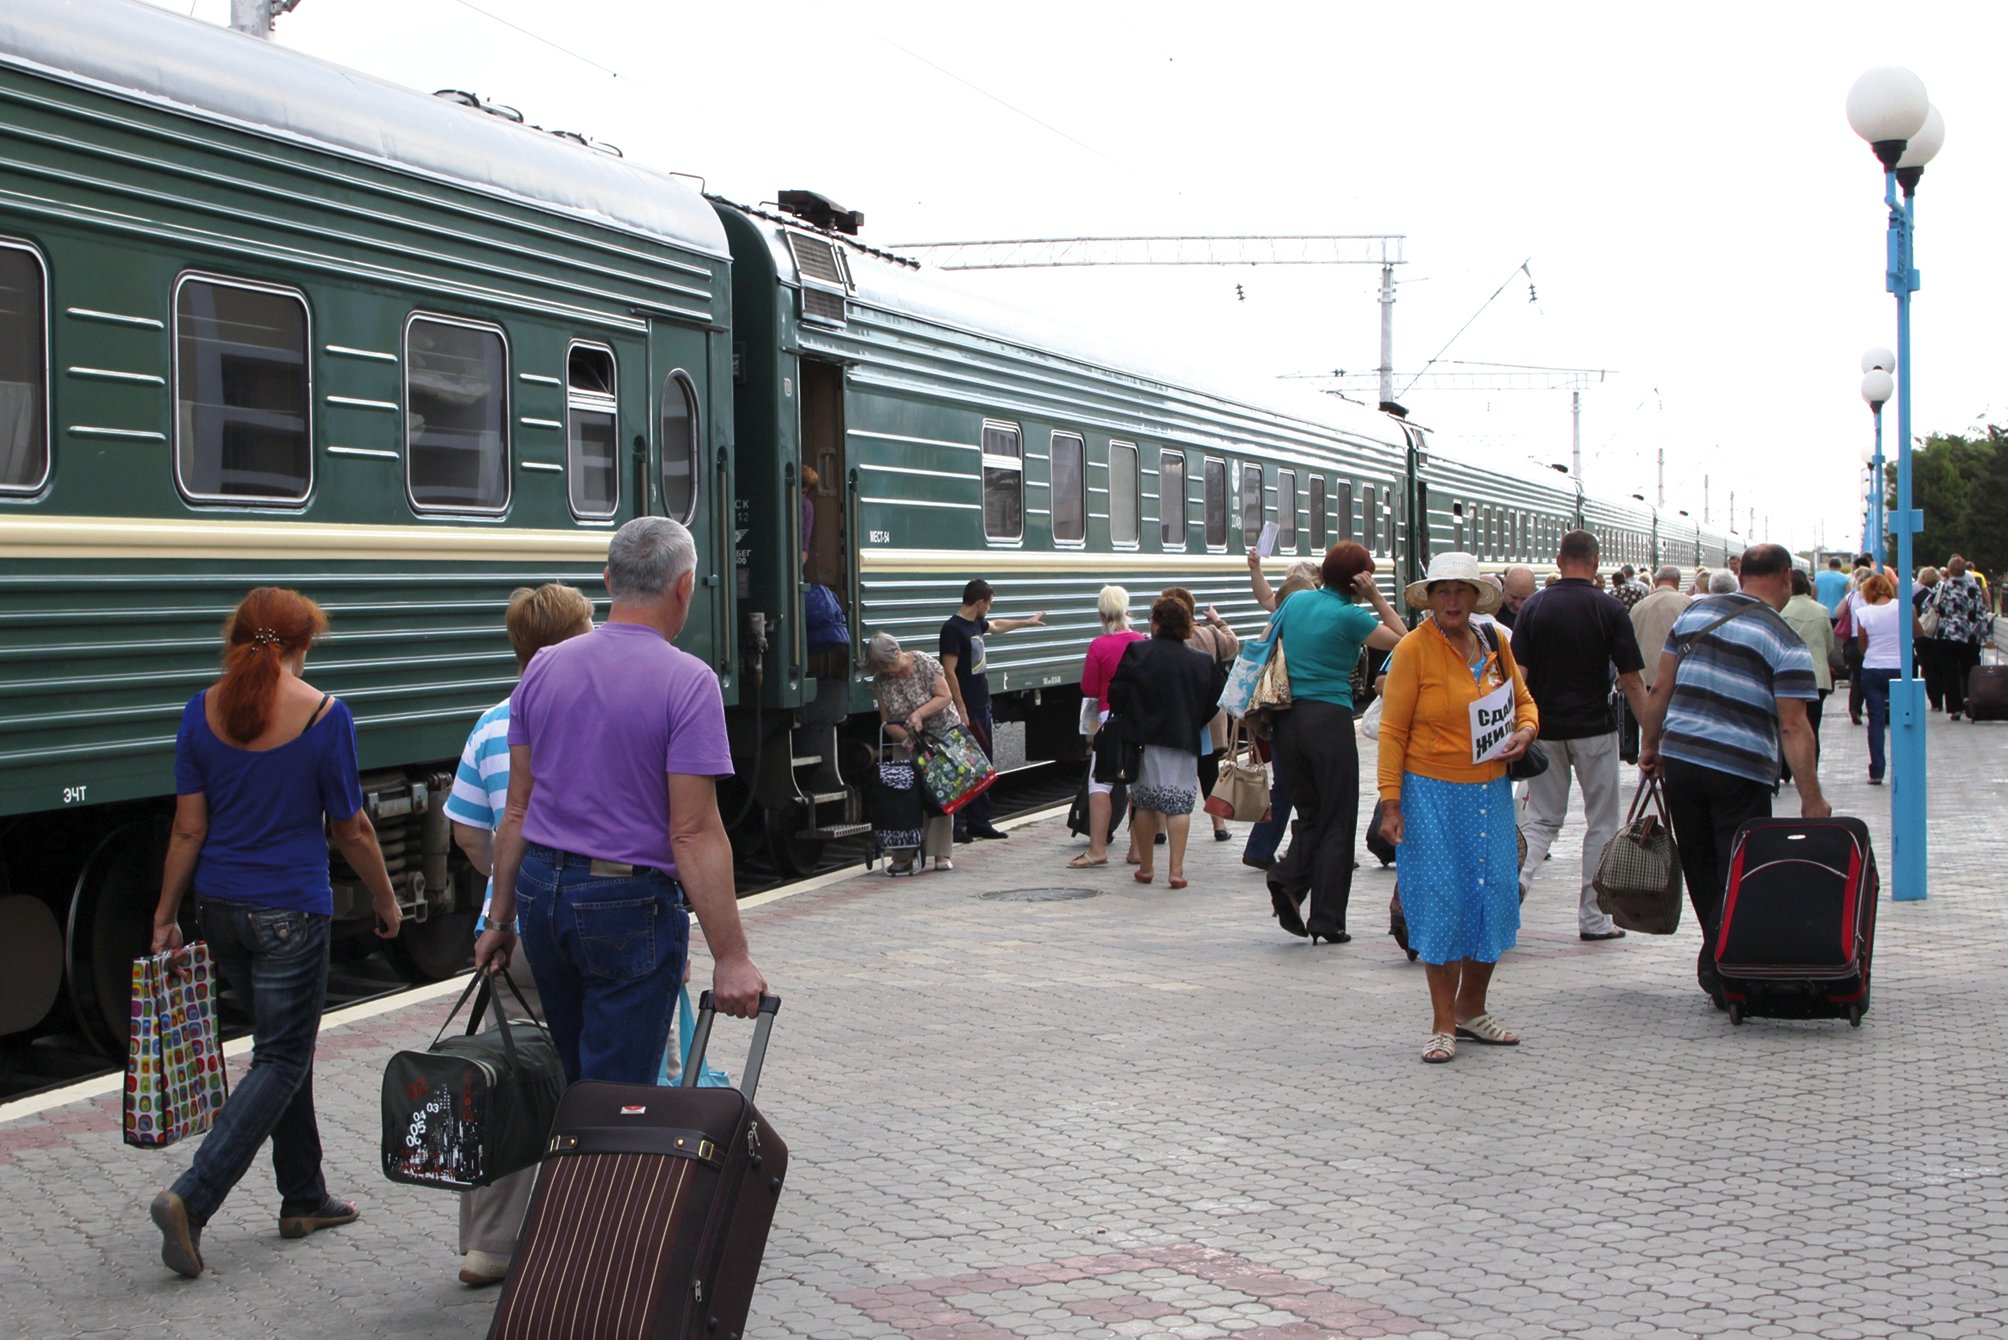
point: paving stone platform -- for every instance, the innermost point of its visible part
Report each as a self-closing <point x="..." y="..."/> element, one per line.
<point x="1140" y="1112"/>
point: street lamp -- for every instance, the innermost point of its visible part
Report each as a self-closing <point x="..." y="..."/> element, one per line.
<point x="1877" y="387"/>
<point x="1888" y="107"/>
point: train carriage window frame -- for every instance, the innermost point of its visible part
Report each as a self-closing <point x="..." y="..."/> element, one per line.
<point x="1254" y="506"/>
<point x="499" y="389"/>
<point x="36" y="438"/>
<point x="684" y="389"/>
<point x="1132" y="495"/>
<point x="1003" y="482"/>
<point x="1286" y="511"/>
<point x="305" y="416"/>
<point x="1320" y="529"/>
<point x="1171" y="461"/>
<point x="1213" y="494"/>
<point x="1347" y="530"/>
<point x="1071" y="448"/>
<point x="1369" y="522"/>
<point x="592" y="403"/>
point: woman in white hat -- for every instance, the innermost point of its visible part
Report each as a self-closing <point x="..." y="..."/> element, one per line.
<point x="1446" y="802"/>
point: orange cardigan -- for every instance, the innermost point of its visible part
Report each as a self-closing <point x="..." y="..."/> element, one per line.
<point x="1426" y="709"/>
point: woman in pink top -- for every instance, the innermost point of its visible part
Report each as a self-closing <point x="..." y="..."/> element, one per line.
<point x="1105" y="653"/>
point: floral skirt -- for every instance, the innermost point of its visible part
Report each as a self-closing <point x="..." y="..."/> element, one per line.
<point x="1168" y="781"/>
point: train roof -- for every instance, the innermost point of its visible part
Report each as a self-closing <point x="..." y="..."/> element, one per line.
<point x="891" y="282"/>
<point x="141" y="52"/>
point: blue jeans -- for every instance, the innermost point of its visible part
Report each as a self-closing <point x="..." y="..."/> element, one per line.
<point x="607" y="952"/>
<point x="1875" y="693"/>
<point x="276" y="962"/>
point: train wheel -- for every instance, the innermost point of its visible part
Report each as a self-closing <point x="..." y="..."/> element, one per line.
<point x="794" y="856"/>
<point x="111" y="924"/>
<point x="31" y="960"/>
<point x="440" y="947"/>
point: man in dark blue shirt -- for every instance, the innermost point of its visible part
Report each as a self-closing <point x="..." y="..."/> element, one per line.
<point x="964" y="657"/>
<point x="1568" y="639"/>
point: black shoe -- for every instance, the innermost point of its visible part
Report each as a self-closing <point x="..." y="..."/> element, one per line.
<point x="988" y="834"/>
<point x="180" y="1236"/>
<point x="1222" y="835"/>
<point x="1875" y="781"/>
<point x="1160" y="840"/>
<point x="1259" y="864"/>
<point x="1332" y="938"/>
<point x="1614" y="933"/>
<point x="962" y="835"/>
<point x="1287" y="915"/>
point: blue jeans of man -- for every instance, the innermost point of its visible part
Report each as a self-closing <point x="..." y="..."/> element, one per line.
<point x="1875" y="696"/>
<point x="276" y="963"/>
<point x="607" y="951"/>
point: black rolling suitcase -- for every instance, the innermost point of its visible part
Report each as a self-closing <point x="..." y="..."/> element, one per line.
<point x="651" y="1209"/>
<point x="1799" y="920"/>
<point x="1987" y="693"/>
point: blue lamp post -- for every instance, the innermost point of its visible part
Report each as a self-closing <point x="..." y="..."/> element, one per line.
<point x="1888" y="107"/>
<point x="1877" y="388"/>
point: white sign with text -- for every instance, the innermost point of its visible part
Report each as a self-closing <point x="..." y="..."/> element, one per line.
<point x="1492" y="723"/>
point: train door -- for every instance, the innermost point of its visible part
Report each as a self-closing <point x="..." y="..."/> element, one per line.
<point x="687" y="477"/>
<point x="826" y="542"/>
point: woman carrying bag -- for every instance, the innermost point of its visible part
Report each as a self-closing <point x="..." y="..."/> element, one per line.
<point x="1165" y="692"/>
<point x="912" y="692"/>
<point x="1446" y="801"/>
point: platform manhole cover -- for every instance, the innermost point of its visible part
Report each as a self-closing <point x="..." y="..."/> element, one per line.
<point x="1037" y="895"/>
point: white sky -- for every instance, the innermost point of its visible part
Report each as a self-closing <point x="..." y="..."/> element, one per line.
<point x="1697" y="214"/>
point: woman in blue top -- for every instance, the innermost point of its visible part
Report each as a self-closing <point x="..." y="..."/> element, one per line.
<point x="262" y="759"/>
<point x="1317" y="754"/>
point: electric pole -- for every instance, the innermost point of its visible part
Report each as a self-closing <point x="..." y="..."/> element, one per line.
<point x="1662" y="477"/>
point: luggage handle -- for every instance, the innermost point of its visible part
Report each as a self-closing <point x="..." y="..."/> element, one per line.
<point x="700" y="1040"/>
<point x="485" y="984"/>
<point x="1649" y="789"/>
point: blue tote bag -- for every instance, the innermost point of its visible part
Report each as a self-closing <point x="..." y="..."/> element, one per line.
<point x="686" y="1026"/>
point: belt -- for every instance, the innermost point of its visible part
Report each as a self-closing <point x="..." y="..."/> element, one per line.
<point x="593" y="865"/>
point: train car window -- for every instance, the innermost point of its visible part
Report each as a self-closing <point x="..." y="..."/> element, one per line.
<point x="679" y="447"/>
<point x="456" y="415"/>
<point x="243" y="395"/>
<point x="1213" y="510"/>
<point x="592" y="429"/>
<point x="1457" y="544"/>
<point x="1171" y="497"/>
<point x="1251" y="502"/>
<point x="1123" y="494"/>
<point x="1369" y="523"/>
<point x="1318" y="527"/>
<point x="24" y="371"/>
<point x="1003" y="482"/>
<point x="1070" y="498"/>
<point x="1346" y="529"/>
<point x="1286" y="511"/>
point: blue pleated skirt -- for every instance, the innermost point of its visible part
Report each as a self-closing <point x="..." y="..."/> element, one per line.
<point x="1459" y="865"/>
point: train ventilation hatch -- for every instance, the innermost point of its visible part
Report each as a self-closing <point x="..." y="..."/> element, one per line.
<point x="826" y="281"/>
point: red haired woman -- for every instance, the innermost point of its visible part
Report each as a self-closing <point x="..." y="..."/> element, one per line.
<point x="262" y="759"/>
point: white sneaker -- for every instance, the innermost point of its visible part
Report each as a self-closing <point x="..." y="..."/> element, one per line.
<point x="480" y="1269"/>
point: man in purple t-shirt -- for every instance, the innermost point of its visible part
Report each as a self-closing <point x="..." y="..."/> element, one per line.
<point x="616" y="744"/>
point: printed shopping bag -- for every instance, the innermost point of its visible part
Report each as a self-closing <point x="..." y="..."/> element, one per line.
<point x="175" y="1082"/>
<point x="1246" y="672"/>
<point x="954" y="770"/>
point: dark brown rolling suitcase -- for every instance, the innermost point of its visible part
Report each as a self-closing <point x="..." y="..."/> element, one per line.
<point x="1987" y="693"/>
<point x="651" y="1209"/>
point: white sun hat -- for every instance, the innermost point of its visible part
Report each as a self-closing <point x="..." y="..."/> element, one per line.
<point x="1454" y="567"/>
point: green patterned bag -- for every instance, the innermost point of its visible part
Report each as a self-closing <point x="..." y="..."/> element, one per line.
<point x="953" y="768"/>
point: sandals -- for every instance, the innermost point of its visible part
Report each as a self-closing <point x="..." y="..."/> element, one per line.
<point x="1440" y="1048"/>
<point x="943" y="863"/>
<point x="1142" y="876"/>
<point x="331" y="1214"/>
<point x="1485" y="1029"/>
<point x="1176" y="882"/>
<point x="1083" y="862"/>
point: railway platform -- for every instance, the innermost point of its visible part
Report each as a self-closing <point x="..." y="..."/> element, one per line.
<point x="1025" y="1100"/>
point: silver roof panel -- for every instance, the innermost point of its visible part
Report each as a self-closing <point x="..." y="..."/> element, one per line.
<point x="139" y="51"/>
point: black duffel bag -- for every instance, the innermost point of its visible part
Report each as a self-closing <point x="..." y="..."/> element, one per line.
<point x="475" y="1107"/>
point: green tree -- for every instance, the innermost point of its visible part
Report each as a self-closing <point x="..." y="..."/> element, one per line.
<point x="1961" y="485"/>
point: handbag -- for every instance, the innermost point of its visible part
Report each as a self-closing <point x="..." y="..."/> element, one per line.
<point x="175" y="1081"/>
<point x="1238" y="694"/>
<point x="1091" y="715"/>
<point x="1242" y="789"/>
<point x="474" y="1107"/>
<point x="1927" y="619"/>
<point x="1118" y="753"/>
<point x="1638" y="877"/>
<point x="954" y="770"/>
<point x="708" y="1076"/>
<point x="1535" y="761"/>
<point x="1370" y="720"/>
<point x="1272" y="693"/>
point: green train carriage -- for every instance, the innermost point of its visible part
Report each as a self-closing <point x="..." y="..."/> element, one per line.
<point x="270" y="322"/>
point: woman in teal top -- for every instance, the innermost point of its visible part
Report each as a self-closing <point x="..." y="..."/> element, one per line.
<point x="1317" y="754"/>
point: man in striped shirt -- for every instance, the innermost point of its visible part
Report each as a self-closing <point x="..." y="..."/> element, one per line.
<point x="1733" y="684"/>
<point x="491" y="1215"/>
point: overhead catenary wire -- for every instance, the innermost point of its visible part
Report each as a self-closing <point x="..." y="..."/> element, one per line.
<point x="1519" y="269"/>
